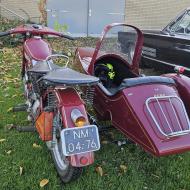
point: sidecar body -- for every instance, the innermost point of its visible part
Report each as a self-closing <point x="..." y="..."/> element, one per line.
<point x="152" y="111"/>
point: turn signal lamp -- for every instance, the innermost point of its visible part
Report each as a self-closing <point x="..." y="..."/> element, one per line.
<point x="179" y="69"/>
<point x="78" y="118"/>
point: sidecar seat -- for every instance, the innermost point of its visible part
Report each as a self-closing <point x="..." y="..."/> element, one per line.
<point x="132" y="82"/>
<point x="127" y="83"/>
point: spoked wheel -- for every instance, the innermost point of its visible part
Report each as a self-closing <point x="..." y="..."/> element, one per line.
<point x="65" y="170"/>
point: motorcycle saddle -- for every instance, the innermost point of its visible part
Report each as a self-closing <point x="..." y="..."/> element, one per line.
<point x="43" y="67"/>
<point x="67" y="76"/>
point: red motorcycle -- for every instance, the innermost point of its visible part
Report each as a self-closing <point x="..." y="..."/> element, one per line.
<point x="54" y="104"/>
<point x="152" y="111"/>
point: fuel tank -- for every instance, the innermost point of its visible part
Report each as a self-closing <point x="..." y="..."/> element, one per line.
<point x="37" y="49"/>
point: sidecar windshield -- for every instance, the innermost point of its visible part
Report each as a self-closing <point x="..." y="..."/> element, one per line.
<point x="120" y="40"/>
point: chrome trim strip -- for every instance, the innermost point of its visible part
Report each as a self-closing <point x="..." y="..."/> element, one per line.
<point x="173" y="132"/>
<point x="166" y="63"/>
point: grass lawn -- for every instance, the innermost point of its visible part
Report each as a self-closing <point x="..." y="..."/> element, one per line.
<point x="23" y="166"/>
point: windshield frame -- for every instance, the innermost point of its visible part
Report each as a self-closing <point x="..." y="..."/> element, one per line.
<point x="137" y="50"/>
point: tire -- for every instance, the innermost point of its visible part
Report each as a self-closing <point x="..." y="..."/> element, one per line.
<point x="66" y="172"/>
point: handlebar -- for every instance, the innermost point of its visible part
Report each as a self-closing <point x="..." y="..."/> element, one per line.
<point x="68" y="37"/>
<point x="56" y="34"/>
<point x="34" y="29"/>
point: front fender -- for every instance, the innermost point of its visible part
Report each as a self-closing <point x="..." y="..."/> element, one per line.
<point x="69" y="99"/>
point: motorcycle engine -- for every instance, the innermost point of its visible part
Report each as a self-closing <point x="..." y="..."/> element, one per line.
<point x="31" y="93"/>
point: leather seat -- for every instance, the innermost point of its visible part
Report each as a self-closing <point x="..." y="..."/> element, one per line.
<point x="132" y="82"/>
<point x="126" y="83"/>
<point x="67" y="76"/>
<point x="42" y="67"/>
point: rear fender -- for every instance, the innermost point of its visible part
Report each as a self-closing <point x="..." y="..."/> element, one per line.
<point x="69" y="99"/>
<point x="183" y="87"/>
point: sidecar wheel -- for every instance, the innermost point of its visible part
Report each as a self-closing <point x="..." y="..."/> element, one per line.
<point x="66" y="172"/>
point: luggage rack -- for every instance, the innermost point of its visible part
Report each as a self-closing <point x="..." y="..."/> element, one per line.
<point x="179" y="129"/>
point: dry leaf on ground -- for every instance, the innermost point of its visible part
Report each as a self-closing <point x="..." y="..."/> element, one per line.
<point x="99" y="170"/>
<point x="9" y="152"/>
<point x="44" y="182"/>
<point x="36" y="145"/>
<point x="123" y="168"/>
<point x="104" y="142"/>
<point x="2" y="140"/>
<point x="10" y="109"/>
<point x="20" y="170"/>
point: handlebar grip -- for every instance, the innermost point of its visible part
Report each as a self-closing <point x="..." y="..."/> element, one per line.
<point x="68" y="37"/>
<point x="4" y="34"/>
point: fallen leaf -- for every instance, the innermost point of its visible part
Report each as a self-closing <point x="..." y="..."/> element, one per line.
<point x="10" y="109"/>
<point x="99" y="170"/>
<point x="36" y="145"/>
<point x="111" y="135"/>
<point x="13" y="96"/>
<point x="123" y="168"/>
<point x="10" y="126"/>
<point x="21" y="170"/>
<point x="104" y="142"/>
<point x="2" y="140"/>
<point x="155" y="176"/>
<point x="44" y="182"/>
<point x="9" y="152"/>
<point x="69" y="54"/>
<point x="6" y="95"/>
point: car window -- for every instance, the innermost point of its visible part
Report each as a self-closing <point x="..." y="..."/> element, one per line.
<point x="182" y="26"/>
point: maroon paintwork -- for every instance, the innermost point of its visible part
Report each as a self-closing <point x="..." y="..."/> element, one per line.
<point x="30" y="29"/>
<point x="66" y="105"/>
<point x="35" y="48"/>
<point x="127" y="110"/>
<point x="40" y="53"/>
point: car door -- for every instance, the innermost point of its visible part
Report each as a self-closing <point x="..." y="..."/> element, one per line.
<point x="180" y="45"/>
<point x="169" y="46"/>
